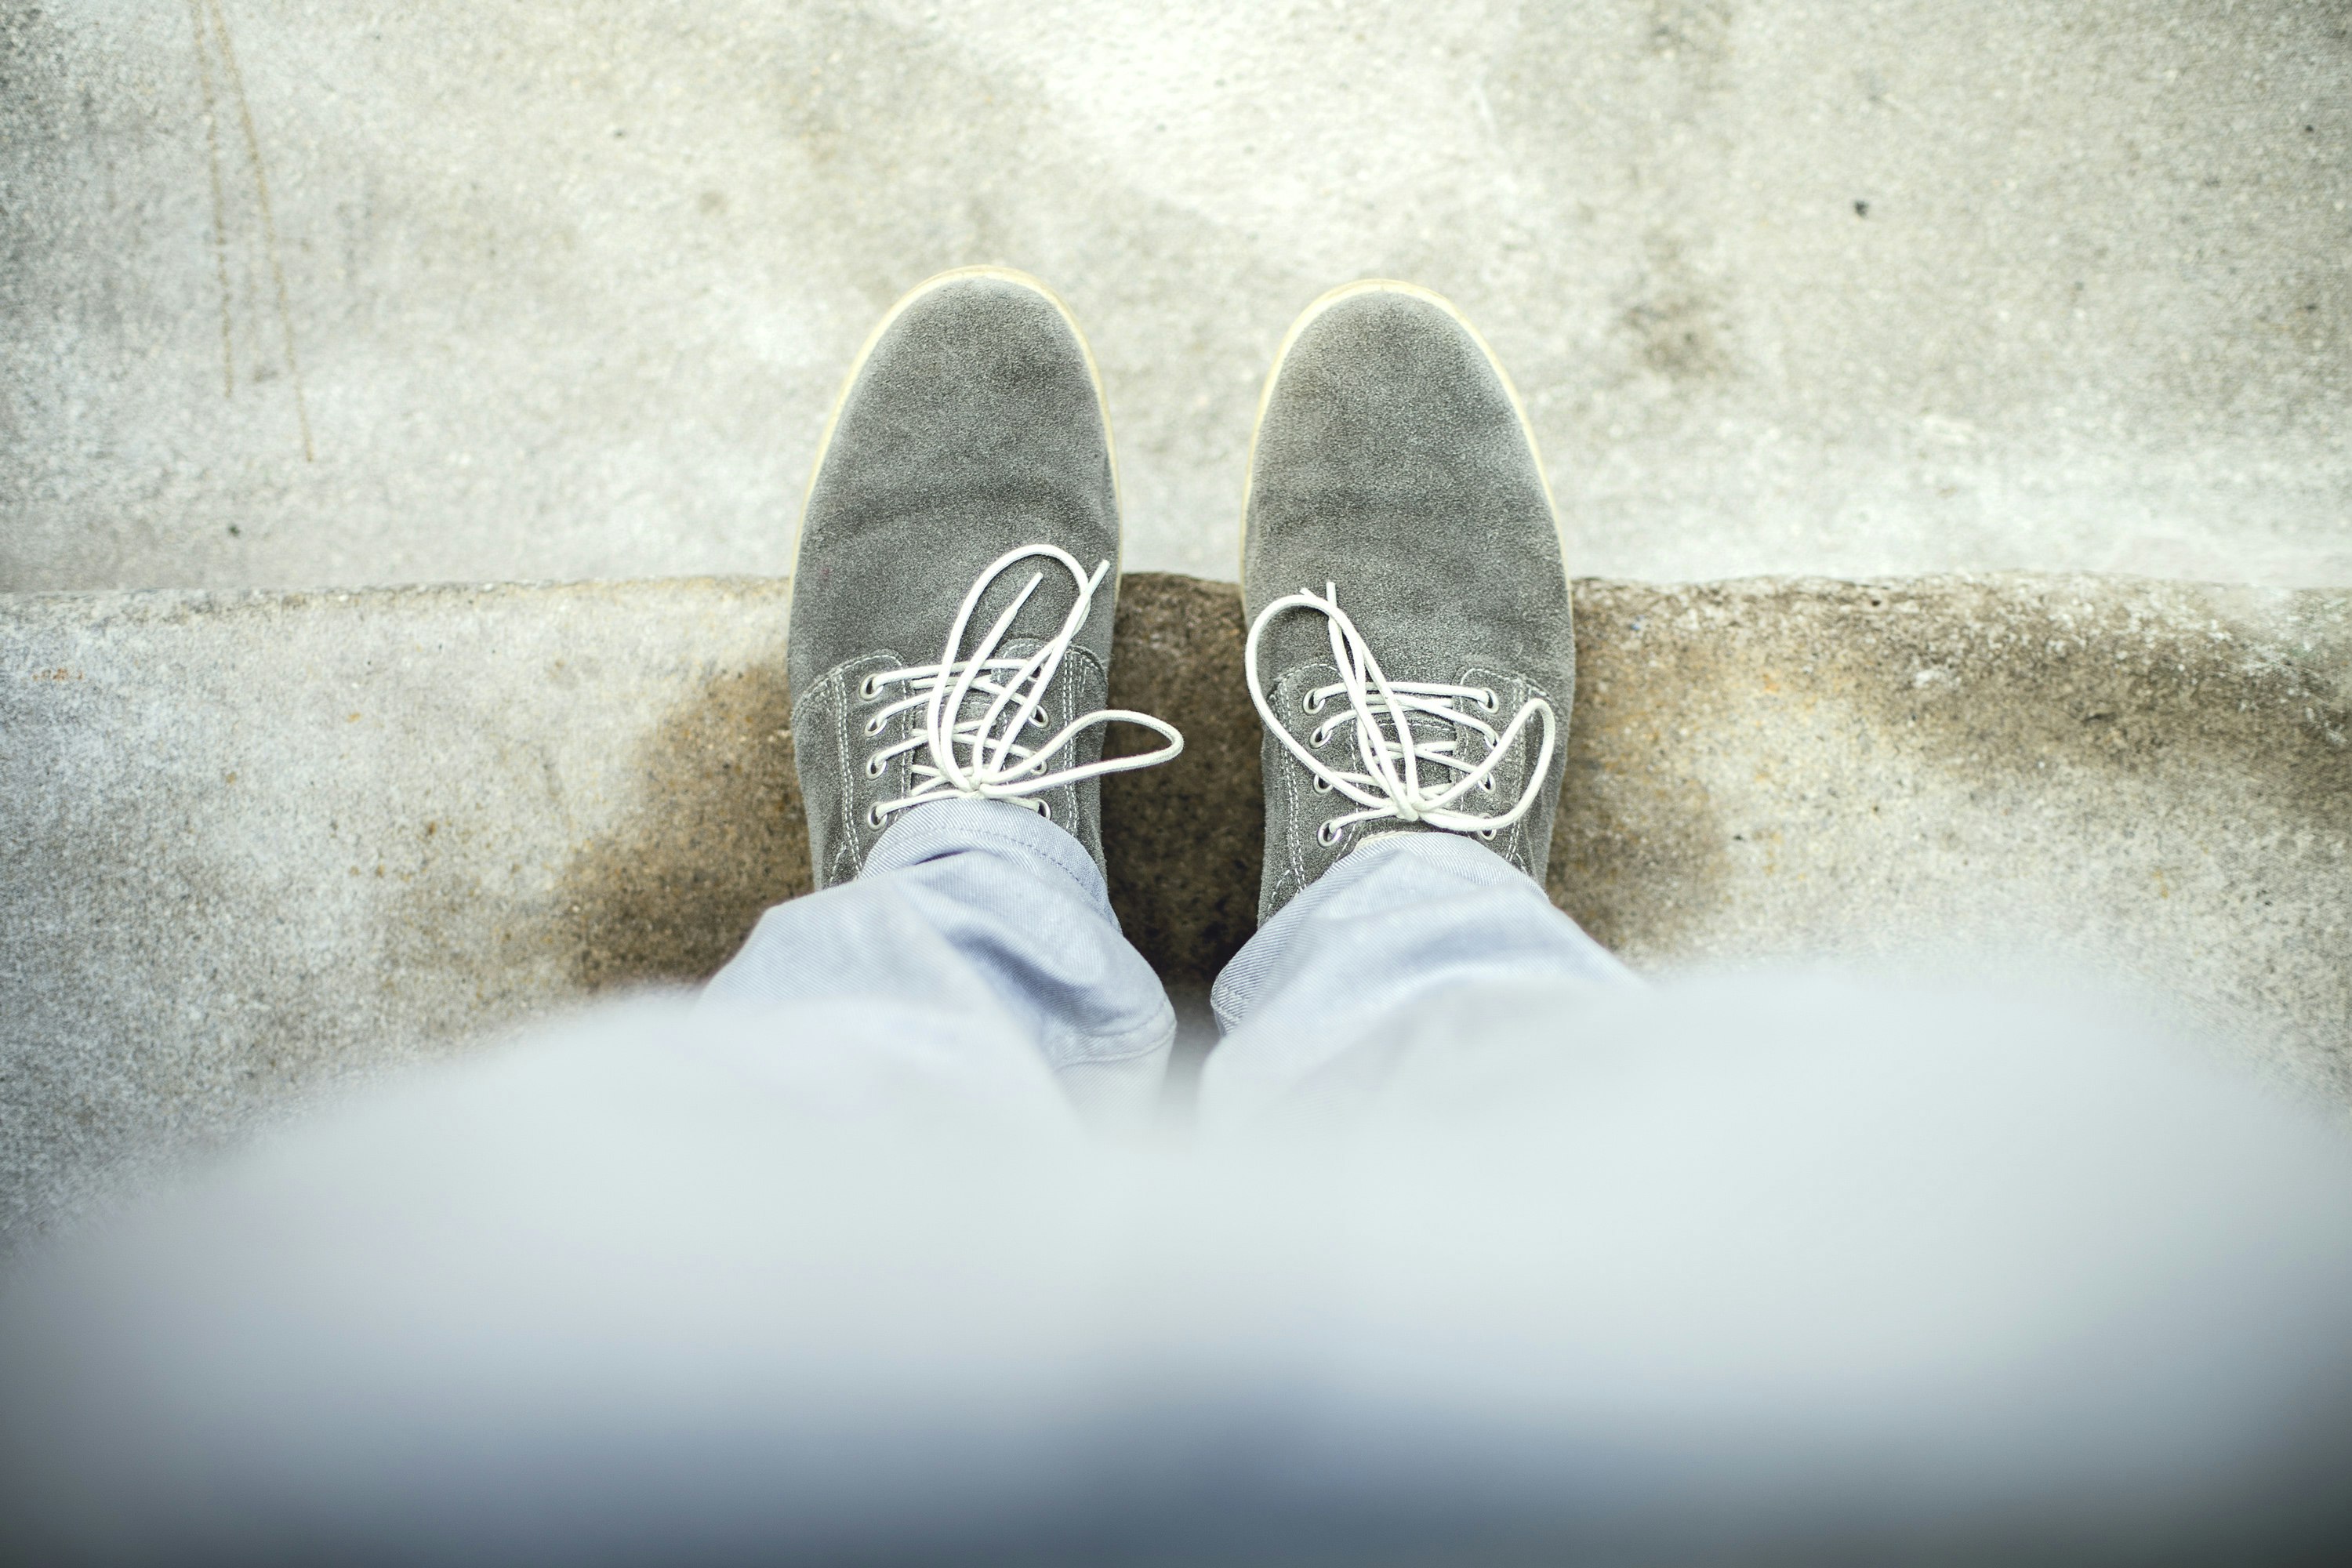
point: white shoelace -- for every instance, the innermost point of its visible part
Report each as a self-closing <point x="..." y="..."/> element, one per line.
<point x="1393" y="755"/>
<point x="993" y="763"/>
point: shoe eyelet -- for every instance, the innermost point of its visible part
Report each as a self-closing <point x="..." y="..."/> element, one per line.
<point x="1312" y="702"/>
<point x="1487" y="784"/>
<point x="1322" y="784"/>
<point x="874" y="767"/>
<point x="1327" y="835"/>
<point x="867" y="691"/>
<point x="1322" y="734"/>
<point x="1039" y="719"/>
<point x="874" y="726"/>
<point x="872" y="817"/>
<point x="1488" y="834"/>
<point x="1489" y="699"/>
<point x="1044" y="811"/>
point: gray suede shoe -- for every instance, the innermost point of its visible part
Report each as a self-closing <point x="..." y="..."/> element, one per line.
<point x="957" y="574"/>
<point x="1410" y="649"/>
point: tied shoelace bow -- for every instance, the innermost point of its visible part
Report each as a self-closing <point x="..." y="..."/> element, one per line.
<point x="976" y="710"/>
<point x="1393" y="756"/>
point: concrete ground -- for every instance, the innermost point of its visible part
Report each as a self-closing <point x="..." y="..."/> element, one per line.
<point x="257" y="844"/>
<point x="314" y="292"/>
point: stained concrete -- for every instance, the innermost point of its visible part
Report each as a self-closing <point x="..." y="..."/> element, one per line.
<point x="260" y="843"/>
<point x="325" y="292"/>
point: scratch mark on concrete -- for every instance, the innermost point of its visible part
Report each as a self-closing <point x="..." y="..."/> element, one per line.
<point x="269" y="223"/>
<point x="220" y="221"/>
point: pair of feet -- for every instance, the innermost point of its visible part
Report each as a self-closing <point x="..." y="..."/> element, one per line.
<point x="1409" y="644"/>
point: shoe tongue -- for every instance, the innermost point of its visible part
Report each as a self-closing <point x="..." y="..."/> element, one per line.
<point x="977" y="700"/>
<point x="1425" y="727"/>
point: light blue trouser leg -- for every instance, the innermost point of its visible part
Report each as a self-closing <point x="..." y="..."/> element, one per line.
<point x="970" y="915"/>
<point x="1406" y="920"/>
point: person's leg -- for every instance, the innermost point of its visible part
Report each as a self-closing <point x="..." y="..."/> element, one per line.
<point x="949" y="648"/>
<point x="1407" y="918"/>
<point x="970" y="910"/>
<point x="1411" y="653"/>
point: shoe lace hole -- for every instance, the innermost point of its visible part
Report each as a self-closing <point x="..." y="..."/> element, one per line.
<point x="873" y="767"/>
<point x="1487" y="784"/>
<point x="868" y="689"/>
<point x="1322" y="734"/>
<point x="1488" y="699"/>
<point x="874" y="726"/>
<point x="1327" y="835"/>
<point x="1488" y="834"/>
<point x="1322" y="786"/>
<point x="872" y="817"/>
<point x="1313" y="702"/>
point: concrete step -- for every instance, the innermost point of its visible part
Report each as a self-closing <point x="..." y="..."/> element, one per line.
<point x="257" y="842"/>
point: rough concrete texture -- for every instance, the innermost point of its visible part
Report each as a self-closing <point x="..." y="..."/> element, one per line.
<point x="252" y="842"/>
<point x="330" y="292"/>
<point x="257" y="843"/>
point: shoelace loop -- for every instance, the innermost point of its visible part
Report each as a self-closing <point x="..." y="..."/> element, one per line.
<point x="978" y="756"/>
<point x="1392" y="755"/>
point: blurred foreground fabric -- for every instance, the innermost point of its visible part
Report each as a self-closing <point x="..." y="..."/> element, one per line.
<point x="1758" y="1269"/>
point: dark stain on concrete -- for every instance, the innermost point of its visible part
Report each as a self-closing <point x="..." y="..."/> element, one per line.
<point x="2007" y="688"/>
<point x="1694" y="34"/>
<point x="2164" y="700"/>
<point x="718" y="836"/>
<point x="1677" y="321"/>
<point x="2001" y="678"/>
<point x="2010" y="685"/>
<point x="2030" y="670"/>
<point x="1185" y="841"/>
